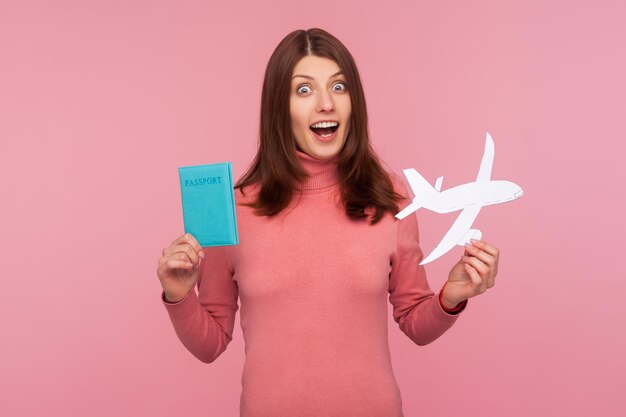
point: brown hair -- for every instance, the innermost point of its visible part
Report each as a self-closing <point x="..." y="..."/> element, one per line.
<point x="363" y="182"/>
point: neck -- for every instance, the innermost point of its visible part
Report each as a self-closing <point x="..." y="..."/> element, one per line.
<point x="322" y="172"/>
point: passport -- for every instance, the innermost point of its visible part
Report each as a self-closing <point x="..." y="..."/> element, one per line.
<point x="209" y="203"/>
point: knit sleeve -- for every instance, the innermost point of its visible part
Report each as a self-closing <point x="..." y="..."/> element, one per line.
<point x="415" y="307"/>
<point x="204" y="321"/>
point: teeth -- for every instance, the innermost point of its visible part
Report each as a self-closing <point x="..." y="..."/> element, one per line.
<point x="325" y="124"/>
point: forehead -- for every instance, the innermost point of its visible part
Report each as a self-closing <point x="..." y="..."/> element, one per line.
<point x="316" y="67"/>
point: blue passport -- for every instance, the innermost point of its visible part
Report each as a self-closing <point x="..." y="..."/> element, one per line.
<point x="209" y="203"/>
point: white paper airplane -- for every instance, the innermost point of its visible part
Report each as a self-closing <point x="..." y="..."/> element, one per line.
<point x="469" y="198"/>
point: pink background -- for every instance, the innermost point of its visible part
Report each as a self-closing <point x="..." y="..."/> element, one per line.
<point x="101" y="101"/>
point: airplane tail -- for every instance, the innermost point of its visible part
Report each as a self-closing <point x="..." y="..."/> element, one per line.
<point x="422" y="190"/>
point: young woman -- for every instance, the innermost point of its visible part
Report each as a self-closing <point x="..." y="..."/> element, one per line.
<point x="319" y="251"/>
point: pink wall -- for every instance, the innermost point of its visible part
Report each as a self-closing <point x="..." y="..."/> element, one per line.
<point x="101" y="101"/>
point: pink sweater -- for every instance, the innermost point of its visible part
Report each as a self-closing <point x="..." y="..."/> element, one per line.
<point x="313" y="288"/>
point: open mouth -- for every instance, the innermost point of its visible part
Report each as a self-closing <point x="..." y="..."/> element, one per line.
<point x="324" y="129"/>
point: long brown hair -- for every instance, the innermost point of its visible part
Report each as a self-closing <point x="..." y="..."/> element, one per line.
<point x="363" y="182"/>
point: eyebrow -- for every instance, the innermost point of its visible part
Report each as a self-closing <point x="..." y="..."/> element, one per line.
<point x="311" y="78"/>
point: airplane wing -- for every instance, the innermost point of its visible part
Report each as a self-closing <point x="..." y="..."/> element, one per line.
<point x="407" y="210"/>
<point x="458" y="230"/>
<point x="484" y="173"/>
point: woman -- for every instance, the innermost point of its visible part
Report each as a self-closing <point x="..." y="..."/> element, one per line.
<point x="319" y="251"/>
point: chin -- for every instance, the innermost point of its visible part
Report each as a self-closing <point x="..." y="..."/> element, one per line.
<point x="324" y="153"/>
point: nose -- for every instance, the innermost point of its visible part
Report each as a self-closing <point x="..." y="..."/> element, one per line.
<point x="324" y="102"/>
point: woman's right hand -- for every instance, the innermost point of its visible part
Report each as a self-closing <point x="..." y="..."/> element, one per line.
<point x="179" y="267"/>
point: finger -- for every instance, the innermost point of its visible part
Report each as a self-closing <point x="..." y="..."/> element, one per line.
<point x="178" y="256"/>
<point x="473" y="274"/>
<point x="487" y="247"/>
<point x="185" y="248"/>
<point x="189" y="238"/>
<point x="482" y="269"/>
<point x="172" y="264"/>
<point x="485" y="257"/>
<point x="488" y="275"/>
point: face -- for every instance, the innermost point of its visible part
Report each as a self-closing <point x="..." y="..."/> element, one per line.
<point x="320" y="107"/>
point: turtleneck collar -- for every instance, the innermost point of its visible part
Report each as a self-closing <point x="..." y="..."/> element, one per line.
<point x="322" y="173"/>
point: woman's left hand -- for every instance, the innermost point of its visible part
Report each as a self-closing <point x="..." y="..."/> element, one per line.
<point x="473" y="274"/>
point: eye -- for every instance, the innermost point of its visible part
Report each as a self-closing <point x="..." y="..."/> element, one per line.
<point x="303" y="89"/>
<point x="340" y="86"/>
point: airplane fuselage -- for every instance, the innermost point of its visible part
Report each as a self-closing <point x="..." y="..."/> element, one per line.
<point x="472" y="194"/>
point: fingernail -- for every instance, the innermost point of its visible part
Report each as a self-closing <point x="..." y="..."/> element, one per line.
<point x="201" y="254"/>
